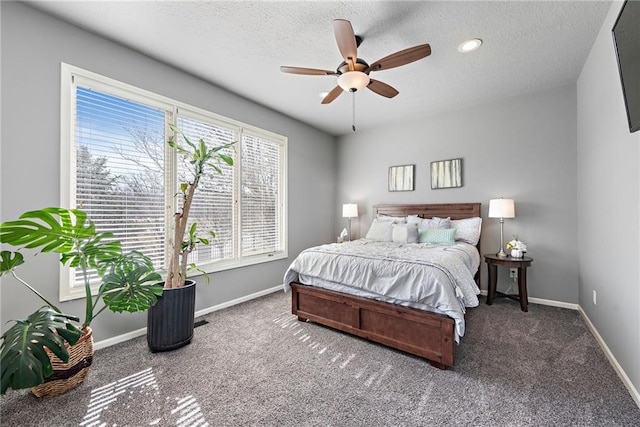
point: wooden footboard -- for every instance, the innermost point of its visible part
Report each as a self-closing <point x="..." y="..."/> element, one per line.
<point x="422" y="333"/>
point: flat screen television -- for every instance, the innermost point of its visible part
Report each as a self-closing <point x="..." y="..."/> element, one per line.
<point x="626" y="39"/>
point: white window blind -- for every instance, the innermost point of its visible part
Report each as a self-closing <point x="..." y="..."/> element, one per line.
<point x="261" y="195"/>
<point x="118" y="167"/>
<point x="213" y="204"/>
<point x="119" y="179"/>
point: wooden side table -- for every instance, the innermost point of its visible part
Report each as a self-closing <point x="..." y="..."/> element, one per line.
<point x="493" y="262"/>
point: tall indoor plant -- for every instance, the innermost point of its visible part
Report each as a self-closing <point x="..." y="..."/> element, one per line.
<point x="170" y="322"/>
<point x="35" y="352"/>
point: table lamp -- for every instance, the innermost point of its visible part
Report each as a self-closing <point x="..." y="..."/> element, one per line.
<point x="502" y="208"/>
<point x="349" y="210"/>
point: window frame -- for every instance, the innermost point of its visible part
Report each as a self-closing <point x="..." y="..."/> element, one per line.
<point x="72" y="76"/>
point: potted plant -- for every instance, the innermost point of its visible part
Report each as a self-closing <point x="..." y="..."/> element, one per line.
<point x="170" y="322"/>
<point x="50" y="351"/>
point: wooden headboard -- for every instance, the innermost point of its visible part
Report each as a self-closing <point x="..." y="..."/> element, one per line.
<point x="441" y="210"/>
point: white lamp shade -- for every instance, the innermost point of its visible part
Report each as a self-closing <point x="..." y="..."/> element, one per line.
<point x="502" y="208"/>
<point x="353" y="80"/>
<point x="349" y="210"/>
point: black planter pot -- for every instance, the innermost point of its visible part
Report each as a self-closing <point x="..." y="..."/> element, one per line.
<point x="170" y="321"/>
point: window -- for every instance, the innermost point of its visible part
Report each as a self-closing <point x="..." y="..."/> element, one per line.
<point x="118" y="167"/>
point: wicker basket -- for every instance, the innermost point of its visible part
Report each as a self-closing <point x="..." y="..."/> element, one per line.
<point x="67" y="376"/>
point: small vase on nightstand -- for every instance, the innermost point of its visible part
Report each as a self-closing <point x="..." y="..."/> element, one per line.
<point x="516" y="253"/>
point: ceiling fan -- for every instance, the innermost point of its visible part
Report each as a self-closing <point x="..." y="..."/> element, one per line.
<point x="353" y="72"/>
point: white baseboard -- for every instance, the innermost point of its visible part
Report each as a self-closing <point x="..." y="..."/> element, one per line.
<point x="553" y="303"/>
<point x="612" y="359"/>
<point x="142" y="331"/>
<point x="543" y="301"/>
<point x="239" y="300"/>
<point x="118" y="339"/>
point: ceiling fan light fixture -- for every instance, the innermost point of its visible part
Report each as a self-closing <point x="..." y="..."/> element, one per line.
<point x="469" y="45"/>
<point x="352" y="81"/>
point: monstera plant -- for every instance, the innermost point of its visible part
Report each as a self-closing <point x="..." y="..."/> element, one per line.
<point x="127" y="283"/>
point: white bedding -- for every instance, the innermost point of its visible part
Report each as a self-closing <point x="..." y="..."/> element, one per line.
<point x="431" y="277"/>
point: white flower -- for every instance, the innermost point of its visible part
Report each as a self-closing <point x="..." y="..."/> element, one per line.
<point x="517" y="244"/>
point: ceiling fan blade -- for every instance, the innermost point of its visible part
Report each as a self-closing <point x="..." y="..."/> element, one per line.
<point x="402" y="57"/>
<point x="382" y="88"/>
<point x="332" y="95"/>
<point x="346" y="40"/>
<point x="307" y="71"/>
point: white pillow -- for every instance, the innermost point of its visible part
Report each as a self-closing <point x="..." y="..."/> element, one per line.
<point x="380" y="230"/>
<point x="405" y="233"/>
<point x="468" y="229"/>
<point x="414" y="219"/>
<point x="436" y="222"/>
<point x="398" y="219"/>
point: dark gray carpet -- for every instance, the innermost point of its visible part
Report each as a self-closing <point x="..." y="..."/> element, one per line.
<point x="254" y="364"/>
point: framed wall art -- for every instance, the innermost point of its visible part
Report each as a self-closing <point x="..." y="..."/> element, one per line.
<point x="446" y="174"/>
<point x="401" y="178"/>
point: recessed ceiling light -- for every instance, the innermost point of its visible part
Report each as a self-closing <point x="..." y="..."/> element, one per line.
<point x="469" y="45"/>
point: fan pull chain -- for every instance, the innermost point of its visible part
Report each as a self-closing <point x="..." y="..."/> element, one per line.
<point x="353" y="123"/>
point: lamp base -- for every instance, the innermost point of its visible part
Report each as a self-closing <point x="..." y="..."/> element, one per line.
<point x="502" y="254"/>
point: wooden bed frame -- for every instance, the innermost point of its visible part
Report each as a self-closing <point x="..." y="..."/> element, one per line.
<point x="422" y="333"/>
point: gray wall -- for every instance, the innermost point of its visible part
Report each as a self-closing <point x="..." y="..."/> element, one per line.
<point x="522" y="148"/>
<point x="609" y="205"/>
<point x="33" y="46"/>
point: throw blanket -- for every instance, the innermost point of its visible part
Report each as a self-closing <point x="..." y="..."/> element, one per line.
<point x="432" y="277"/>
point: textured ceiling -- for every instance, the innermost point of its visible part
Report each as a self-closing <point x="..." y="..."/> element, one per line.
<point x="528" y="46"/>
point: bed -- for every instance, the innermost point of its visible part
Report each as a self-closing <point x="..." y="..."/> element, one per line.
<point x="411" y="327"/>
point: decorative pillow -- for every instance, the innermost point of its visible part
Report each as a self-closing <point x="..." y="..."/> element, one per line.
<point x="397" y="219"/>
<point x="414" y="219"/>
<point x="380" y="230"/>
<point x="405" y="233"/>
<point x="437" y="235"/>
<point x="436" y="222"/>
<point x="468" y="229"/>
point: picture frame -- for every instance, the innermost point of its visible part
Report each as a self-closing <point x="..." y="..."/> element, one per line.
<point x="401" y="178"/>
<point x="446" y="174"/>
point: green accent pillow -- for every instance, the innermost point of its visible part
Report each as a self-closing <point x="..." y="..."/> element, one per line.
<point x="436" y="235"/>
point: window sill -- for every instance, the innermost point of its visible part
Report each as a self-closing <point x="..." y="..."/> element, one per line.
<point x="214" y="267"/>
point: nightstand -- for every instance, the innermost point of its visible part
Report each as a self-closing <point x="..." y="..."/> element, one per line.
<point x="493" y="262"/>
